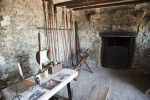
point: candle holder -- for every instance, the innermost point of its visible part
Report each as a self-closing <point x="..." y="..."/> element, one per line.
<point x="37" y="79"/>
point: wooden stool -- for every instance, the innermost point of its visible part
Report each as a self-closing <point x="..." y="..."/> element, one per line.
<point x="83" y="58"/>
<point x="98" y="93"/>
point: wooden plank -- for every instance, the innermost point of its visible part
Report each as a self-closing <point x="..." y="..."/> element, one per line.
<point x="102" y="94"/>
<point x="91" y="3"/>
<point x="98" y="93"/>
<point x="0" y="95"/>
<point x="29" y="82"/>
<point x="21" y="87"/>
<point x="77" y="2"/>
<point x="148" y="91"/>
<point x="113" y="4"/>
<point x="70" y="2"/>
<point x="93" y="94"/>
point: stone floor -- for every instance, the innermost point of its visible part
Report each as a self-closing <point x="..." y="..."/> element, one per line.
<point x="124" y="85"/>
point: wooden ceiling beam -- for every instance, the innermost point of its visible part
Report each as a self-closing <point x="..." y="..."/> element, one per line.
<point x="113" y="4"/>
<point x="91" y="3"/>
<point x="70" y="2"/>
<point x="77" y="2"/>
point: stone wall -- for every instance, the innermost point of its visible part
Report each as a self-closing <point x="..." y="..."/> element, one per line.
<point x="20" y="18"/>
<point x="132" y="18"/>
<point x="18" y="34"/>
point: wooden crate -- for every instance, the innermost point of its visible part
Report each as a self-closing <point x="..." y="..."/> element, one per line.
<point x="54" y="69"/>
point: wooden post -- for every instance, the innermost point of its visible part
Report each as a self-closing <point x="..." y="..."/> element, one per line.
<point x="76" y="41"/>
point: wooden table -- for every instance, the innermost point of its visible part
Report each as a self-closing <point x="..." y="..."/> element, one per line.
<point x="49" y="93"/>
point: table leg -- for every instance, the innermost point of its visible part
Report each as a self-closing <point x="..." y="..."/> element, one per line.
<point x="69" y="91"/>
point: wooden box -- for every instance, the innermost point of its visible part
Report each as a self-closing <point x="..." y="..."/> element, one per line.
<point x="54" y="69"/>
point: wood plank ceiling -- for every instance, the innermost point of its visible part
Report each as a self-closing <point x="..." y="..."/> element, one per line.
<point x="90" y="4"/>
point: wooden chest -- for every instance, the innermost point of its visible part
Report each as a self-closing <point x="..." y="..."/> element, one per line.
<point x="54" y="69"/>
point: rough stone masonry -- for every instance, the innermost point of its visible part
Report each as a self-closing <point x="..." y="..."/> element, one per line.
<point x="18" y="34"/>
<point x="132" y="18"/>
<point x="20" y="18"/>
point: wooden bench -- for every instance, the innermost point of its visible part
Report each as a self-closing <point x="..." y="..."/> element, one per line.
<point x="148" y="91"/>
<point x="98" y="93"/>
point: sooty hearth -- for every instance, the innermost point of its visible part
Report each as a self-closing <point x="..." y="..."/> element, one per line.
<point x="117" y="49"/>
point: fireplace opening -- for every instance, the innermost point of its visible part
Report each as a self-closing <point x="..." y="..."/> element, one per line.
<point x="117" y="51"/>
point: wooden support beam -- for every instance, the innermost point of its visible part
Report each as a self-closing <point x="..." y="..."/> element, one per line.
<point x="113" y="4"/>
<point x="92" y="3"/>
<point x="70" y="2"/>
<point x="77" y="2"/>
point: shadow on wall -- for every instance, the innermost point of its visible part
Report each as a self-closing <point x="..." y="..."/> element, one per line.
<point x="147" y="52"/>
<point x="143" y="62"/>
<point x="89" y="13"/>
<point x="23" y="57"/>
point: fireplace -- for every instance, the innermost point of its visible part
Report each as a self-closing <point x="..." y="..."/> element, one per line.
<point x="117" y="49"/>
